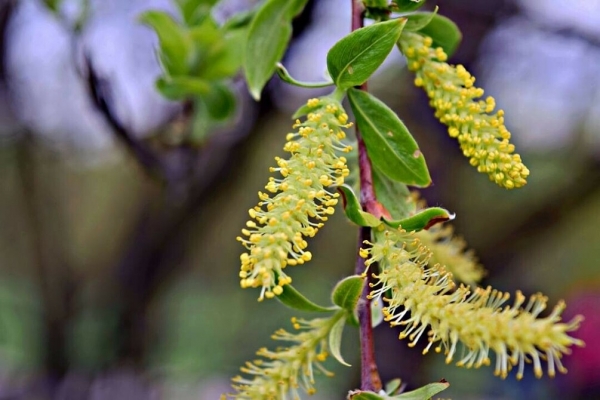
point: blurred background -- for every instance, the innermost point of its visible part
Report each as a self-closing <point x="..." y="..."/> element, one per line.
<point x="118" y="259"/>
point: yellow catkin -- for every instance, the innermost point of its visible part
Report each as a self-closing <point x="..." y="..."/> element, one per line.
<point x="470" y="118"/>
<point x="466" y="323"/>
<point x="281" y="373"/>
<point x="295" y="205"/>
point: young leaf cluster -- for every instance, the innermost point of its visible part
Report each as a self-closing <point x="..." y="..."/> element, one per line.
<point x="199" y="58"/>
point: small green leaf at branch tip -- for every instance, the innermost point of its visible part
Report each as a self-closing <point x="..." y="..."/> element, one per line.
<point x="422" y="220"/>
<point x="390" y="146"/>
<point x="353" y="59"/>
<point x="347" y="292"/>
<point x="296" y="300"/>
<point x="285" y="76"/>
<point x="335" y="340"/>
<point x="419" y="20"/>
<point x="268" y="36"/>
<point x="353" y="209"/>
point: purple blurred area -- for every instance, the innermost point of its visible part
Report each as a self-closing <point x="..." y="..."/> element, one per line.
<point x="118" y="259"/>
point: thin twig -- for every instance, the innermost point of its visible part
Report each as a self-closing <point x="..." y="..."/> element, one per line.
<point x="370" y="379"/>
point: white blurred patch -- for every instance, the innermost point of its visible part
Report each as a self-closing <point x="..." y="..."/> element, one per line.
<point x="49" y="97"/>
<point x="546" y="82"/>
<point x="48" y="81"/>
<point x="123" y="52"/>
<point x="578" y="15"/>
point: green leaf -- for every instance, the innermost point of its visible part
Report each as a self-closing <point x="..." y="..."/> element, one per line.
<point x="390" y="145"/>
<point x="375" y="3"/>
<point x="294" y="299"/>
<point x="422" y="220"/>
<point x="335" y="340"/>
<point x="220" y="101"/>
<point x="353" y="59"/>
<point x="175" y="45"/>
<point x="393" y="386"/>
<point x="444" y="32"/>
<point x="408" y="5"/>
<point x="269" y="34"/>
<point x="202" y="124"/>
<point x="394" y="196"/>
<point x="423" y="393"/>
<point x="193" y="11"/>
<point x="353" y="209"/>
<point x="361" y="395"/>
<point x="218" y="54"/>
<point x="419" y="20"/>
<point x="181" y="87"/>
<point x="347" y="292"/>
<point x="296" y="7"/>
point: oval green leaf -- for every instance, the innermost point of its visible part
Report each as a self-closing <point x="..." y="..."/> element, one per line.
<point x="268" y="36"/>
<point x="444" y="32"/>
<point x="353" y="59"/>
<point x="423" y="393"/>
<point x="335" y="340"/>
<point x="296" y="300"/>
<point x="390" y="145"/>
<point x="347" y="292"/>
<point x="422" y="220"/>
<point x="353" y="209"/>
<point x="419" y="20"/>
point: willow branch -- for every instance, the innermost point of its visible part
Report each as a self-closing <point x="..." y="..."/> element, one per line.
<point x="370" y="379"/>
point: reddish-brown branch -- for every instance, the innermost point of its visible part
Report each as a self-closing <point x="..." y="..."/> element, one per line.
<point x="369" y="375"/>
<point x="370" y="379"/>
